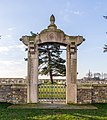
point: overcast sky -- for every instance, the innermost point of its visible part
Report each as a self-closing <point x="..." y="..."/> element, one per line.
<point x="74" y="17"/>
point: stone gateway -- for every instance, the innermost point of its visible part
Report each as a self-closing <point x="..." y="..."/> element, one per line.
<point x="52" y="35"/>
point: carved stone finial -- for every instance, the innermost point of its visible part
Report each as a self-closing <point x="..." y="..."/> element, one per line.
<point x="52" y="19"/>
<point x="52" y="23"/>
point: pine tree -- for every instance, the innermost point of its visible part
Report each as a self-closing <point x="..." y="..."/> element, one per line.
<point x="105" y="46"/>
<point x="50" y="61"/>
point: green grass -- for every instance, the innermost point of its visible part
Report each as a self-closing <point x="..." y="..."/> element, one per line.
<point x="53" y="114"/>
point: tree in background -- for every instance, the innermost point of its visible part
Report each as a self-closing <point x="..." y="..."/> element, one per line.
<point x="105" y="46"/>
<point x="50" y="61"/>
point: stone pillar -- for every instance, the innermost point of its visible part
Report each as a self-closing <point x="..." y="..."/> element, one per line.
<point x="74" y="74"/>
<point x="32" y="91"/>
<point x="68" y="75"/>
<point x="71" y="75"/>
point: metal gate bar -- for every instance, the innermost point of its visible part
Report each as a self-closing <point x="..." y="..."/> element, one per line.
<point x="52" y="93"/>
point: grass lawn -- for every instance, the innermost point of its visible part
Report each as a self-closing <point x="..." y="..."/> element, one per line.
<point x="54" y="114"/>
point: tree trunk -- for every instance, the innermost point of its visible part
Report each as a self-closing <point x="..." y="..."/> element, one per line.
<point x="50" y="72"/>
<point x="51" y="76"/>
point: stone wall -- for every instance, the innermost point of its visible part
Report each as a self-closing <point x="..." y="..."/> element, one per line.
<point x="12" y="81"/>
<point x="92" y="93"/>
<point x="13" y="90"/>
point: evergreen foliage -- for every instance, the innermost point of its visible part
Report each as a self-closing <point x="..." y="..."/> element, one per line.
<point x="50" y="61"/>
<point x="105" y="48"/>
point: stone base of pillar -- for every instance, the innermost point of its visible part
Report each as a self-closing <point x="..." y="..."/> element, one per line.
<point x="28" y="92"/>
<point x="32" y="94"/>
<point x="71" y="93"/>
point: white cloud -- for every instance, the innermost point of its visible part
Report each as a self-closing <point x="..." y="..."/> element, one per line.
<point x="8" y="33"/>
<point x="11" y="29"/>
<point x="77" y="12"/>
<point x="12" y="68"/>
<point x="19" y="47"/>
<point x="67" y="13"/>
<point x="22" y="47"/>
<point x="4" y="49"/>
<point x="11" y="62"/>
<point x="11" y="47"/>
<point x="7" y="36"/>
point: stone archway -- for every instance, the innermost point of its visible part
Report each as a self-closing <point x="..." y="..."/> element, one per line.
<point x="52" y="34"/>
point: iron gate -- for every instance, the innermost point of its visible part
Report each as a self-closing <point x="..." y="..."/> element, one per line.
<point x="52" y="93"/>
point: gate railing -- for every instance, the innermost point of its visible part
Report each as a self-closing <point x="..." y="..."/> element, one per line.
<point x="52" y="93"/>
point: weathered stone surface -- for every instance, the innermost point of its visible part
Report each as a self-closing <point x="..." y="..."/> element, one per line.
<point x="12" y="92"/>
<point x="92" y="93"/>
<point x="17" y="93"/>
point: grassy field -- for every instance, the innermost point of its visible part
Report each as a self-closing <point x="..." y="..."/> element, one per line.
<point x="54" y="114"/>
